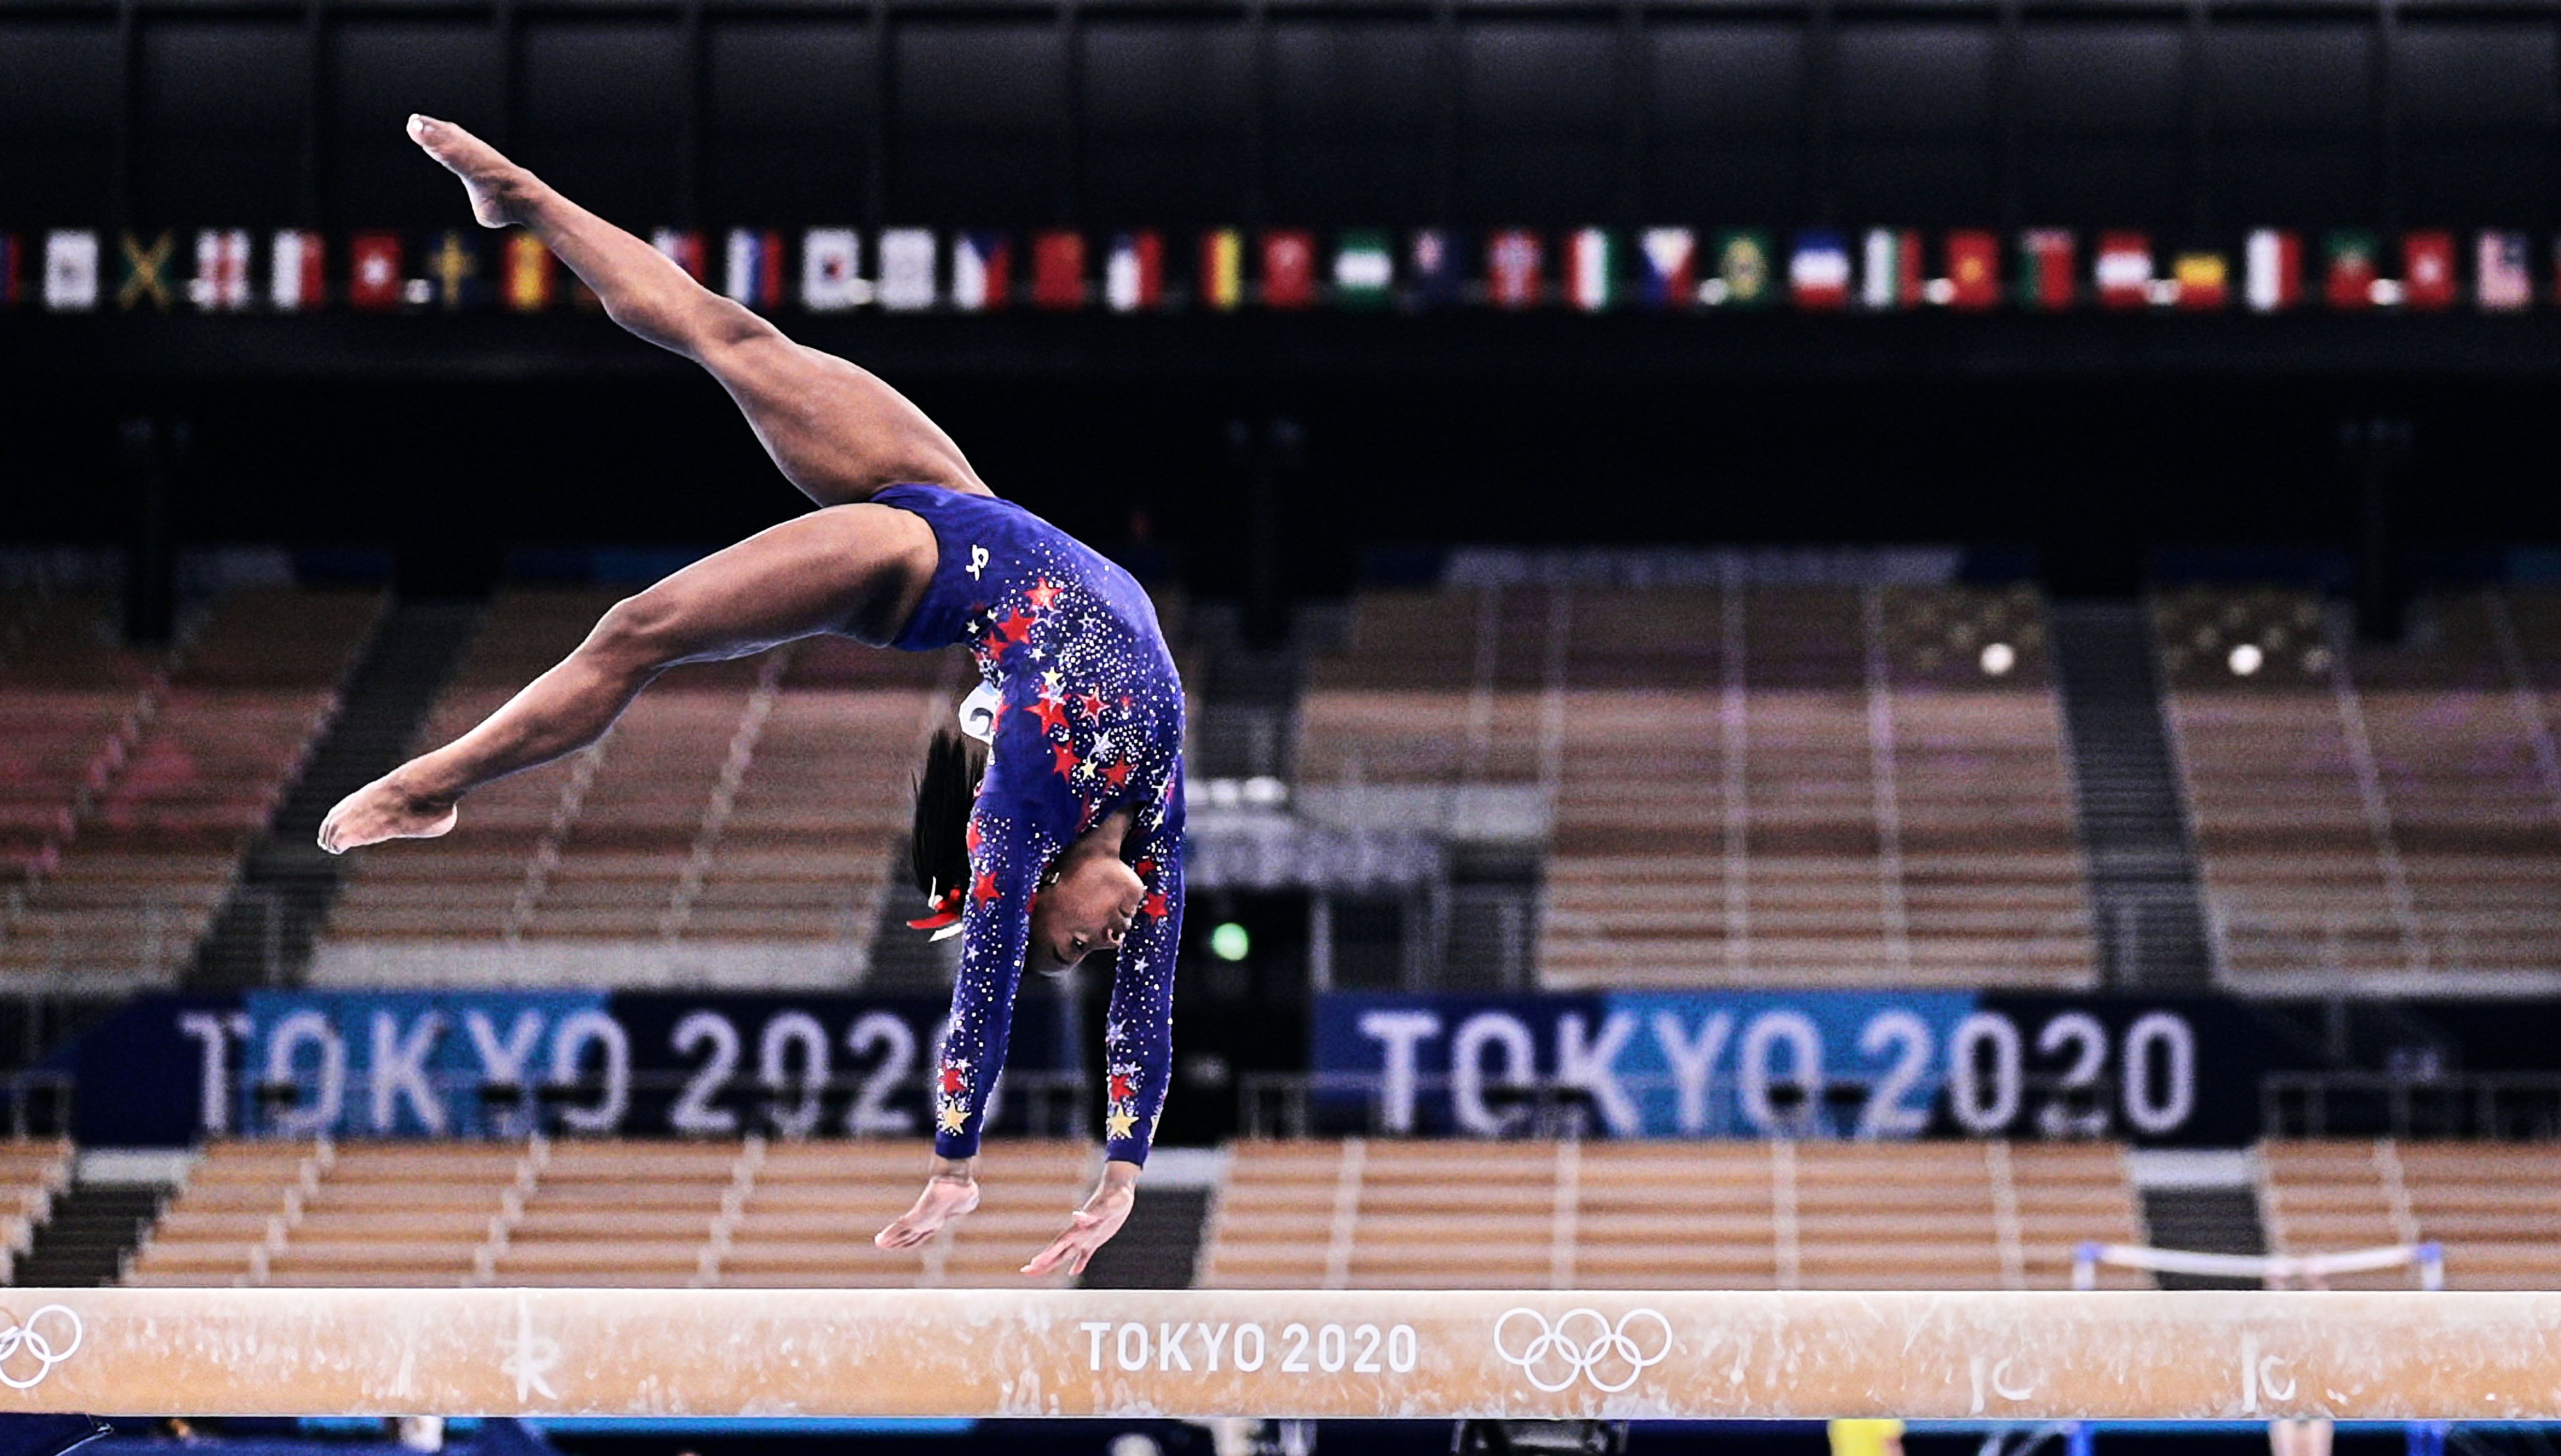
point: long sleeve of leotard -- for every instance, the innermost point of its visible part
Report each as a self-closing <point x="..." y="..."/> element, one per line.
<point x="1005" y="861"/>
<point x="1138" y="1026"/>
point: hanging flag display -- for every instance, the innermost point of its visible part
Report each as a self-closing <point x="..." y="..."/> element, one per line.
<point x="1747" y="270"/>
<point x="1890" y="268"/>
<point x="2274" y="260"/>
<point x="145" y="280"/>
<point x="528" y="273"/>
<point x="374" y="272"/>
<point x="1973" y="268"/>
<point x="2502" y="278"/>
<point x="1364" y="270"/>
<point x="220" y="283"/>
<point x="1289" y="268"/>
<point x="1222" y="269"/>
<point x="2351" y="277"/>
<point x="1591" y="269"/>
<point x="1819" y="270"/>
<point x="982" y="271"/>
<point x="831" y="270"/>
<point x="909" y="262"/>
<point x="221" y="271"/>
<point x="1667" y="267"/>
<point x="2201" y="282"/>
<point x="1133" y="272"/>
<point x="684" y="248"/>
<point x="2049" y="278"/>
<point x="1515" y="268"/>
<point x="71" y="270"/>
<point x="2124" y="271"/>
<point x="2428" y="270"/>
<point x="1058" y="268"/>
<point x="453" y="278"/>
<point x="1438" y="273"/>
<point x="296" y="271"/>
<point x="750" y="269"/>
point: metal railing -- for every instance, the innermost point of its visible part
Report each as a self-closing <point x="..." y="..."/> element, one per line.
<point x="2366" y="1104"/>
<point x="148" y="940"/>
<point x="2256" y="949"/>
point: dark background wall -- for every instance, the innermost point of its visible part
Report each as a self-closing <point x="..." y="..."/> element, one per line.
<point x="2207" y="116"/>
<point x="2085" y="434"/>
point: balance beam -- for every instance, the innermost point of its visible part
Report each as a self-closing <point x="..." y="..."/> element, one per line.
<point x="1337" y="1353"/>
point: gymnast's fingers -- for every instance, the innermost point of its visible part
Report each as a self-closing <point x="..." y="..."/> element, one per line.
<point x="1079" y="1239"/>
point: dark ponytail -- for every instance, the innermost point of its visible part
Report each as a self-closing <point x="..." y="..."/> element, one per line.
<point x="947" y="790"/>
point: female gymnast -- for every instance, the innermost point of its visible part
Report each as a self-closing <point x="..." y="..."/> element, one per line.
<point x="1073" y="842"/>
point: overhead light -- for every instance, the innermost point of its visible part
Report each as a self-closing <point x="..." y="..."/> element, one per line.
<point x="2246" y="659"/>
<point x="1997" y="659"/>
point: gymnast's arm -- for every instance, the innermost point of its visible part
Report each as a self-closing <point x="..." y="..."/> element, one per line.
<point x="815" y="573"/>
<point x="1137" y="1044"/>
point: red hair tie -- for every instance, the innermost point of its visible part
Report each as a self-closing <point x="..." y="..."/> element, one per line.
<point x="945" y="921"/>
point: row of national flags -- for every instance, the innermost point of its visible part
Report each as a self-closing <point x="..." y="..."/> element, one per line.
<point x="917" y="270"/>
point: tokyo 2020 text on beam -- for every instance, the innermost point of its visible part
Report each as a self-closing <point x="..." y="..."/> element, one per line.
<point x="1343" y="1352"/>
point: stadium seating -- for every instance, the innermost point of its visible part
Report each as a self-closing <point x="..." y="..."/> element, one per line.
<point x="31" y="1174"/>
<point x="602" y="1212"/>
<point x="735" y="827"/>
<point x="131" y="780"/>
<point x="1812" y="785"/>
<point x="2495" y="1207"/>
<point x="2393" y="813"/>
<point x="1365" y="1214"/>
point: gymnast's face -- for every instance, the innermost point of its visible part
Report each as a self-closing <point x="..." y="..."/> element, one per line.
<point x="1087" y="908"/>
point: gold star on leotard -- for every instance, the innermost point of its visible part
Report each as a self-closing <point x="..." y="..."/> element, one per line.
<point x="1120" y="1125"/>
<point x="953" y="1119"/>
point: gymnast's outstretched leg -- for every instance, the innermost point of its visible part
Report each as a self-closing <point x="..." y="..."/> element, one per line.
<point x="836" y="430"/>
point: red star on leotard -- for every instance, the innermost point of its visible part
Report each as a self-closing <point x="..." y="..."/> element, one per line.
<point x="1051" y="713"/>
<point x="975" y="837"/>
<point x="954" y="1080"/>
<point x="1063" y="757"/>
<point x="1145" y="868"/>
<point x="1118" y="774"/>
<point x="1042" y="595"/>
<point x="1016" y="627"/>
<point x="985" y="888"/>
<point x="1122" y="1088"/>
<point x="1154" y="908"/>
<point x="1091" y="703"/>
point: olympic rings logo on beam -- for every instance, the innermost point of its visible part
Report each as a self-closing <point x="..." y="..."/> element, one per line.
<point x="36" y="1344"/>
<point x="1581" y="1345"/>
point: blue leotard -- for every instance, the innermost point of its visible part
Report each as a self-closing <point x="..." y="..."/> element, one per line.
<point x="1090" y="723"/>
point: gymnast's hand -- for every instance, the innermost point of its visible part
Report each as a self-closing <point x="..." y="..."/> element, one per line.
<point x="381" y="810"/>
<point x="952" y="1192"/>
<point x="1092" y="1225"/>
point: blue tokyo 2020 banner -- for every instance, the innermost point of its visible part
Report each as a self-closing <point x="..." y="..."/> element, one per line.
<point x="1808" y="1063"/>
<point x="170" y="1069"/>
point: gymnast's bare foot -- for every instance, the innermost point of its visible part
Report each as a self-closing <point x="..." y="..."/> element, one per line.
<point x="381" y="810"/>
<point x="500" y="188"/>
<point x="952" y="1192"/>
